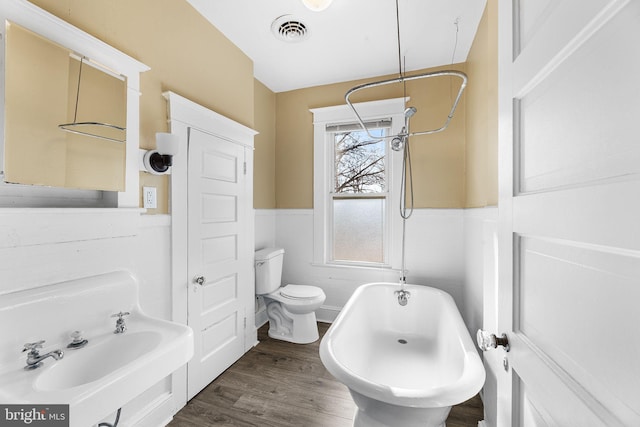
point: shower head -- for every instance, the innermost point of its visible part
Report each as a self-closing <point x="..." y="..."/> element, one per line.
<point x="409" y="112"/>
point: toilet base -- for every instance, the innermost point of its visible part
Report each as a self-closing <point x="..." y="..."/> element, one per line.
<point x="289" y="338"/>
<point x="295" y="328"/>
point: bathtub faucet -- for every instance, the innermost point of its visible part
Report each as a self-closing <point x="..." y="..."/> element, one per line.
<point x="403" y="296"/>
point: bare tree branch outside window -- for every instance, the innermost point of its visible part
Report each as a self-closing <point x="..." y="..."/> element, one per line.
<point x="359" y="162"/>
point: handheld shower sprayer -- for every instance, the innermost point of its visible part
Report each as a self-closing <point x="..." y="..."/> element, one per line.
<point x="398" y="142"/>
<point x="409" y="112"/>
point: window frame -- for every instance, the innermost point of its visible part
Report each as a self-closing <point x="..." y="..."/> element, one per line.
<point x="332" y="196"/>
<point x="323" y="179"/>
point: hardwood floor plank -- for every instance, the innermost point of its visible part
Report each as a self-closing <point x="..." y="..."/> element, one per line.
<point x="467" y="414"/>
<point x="312" y="397"/>
<point x="290" y="413"/>
<point x="295" y="373"/>
<point x="280" y="384"/>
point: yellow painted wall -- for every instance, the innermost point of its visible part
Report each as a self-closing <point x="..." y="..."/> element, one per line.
<point x="438" y="159"/>
<point x="457" y="168"/>
<point x="186" y="54"/>
<point x="264" y="167"/>
<point x="481" y="175"/>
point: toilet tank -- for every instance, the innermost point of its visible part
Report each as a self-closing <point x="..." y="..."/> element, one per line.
<point x="268" y="263"/>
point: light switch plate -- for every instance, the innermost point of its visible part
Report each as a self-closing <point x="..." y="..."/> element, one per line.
<point x="149" y="197"/>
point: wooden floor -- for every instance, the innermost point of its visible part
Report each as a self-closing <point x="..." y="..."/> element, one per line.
<point x="281" y="384"/>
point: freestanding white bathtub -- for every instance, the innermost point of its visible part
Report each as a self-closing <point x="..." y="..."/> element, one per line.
<point x="405" y="365"/>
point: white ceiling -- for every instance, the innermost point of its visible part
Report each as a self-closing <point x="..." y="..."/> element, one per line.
<point x="352" y="39"/>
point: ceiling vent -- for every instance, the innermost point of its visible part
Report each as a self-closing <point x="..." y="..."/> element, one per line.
<point x="289" y="29"/>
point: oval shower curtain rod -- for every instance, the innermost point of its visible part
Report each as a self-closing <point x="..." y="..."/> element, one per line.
<point x="402" y="79"/>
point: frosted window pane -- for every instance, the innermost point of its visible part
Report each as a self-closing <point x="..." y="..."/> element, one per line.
<point x="358" y="230"/>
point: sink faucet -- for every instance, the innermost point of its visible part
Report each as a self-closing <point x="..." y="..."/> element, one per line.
<point x="121" y="327"/>
<point x="34" y="358"/>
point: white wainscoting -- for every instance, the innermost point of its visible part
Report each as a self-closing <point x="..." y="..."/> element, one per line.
<point x="434" y="256"/>
<point x="447" y="248"/>
<point x="153" y="265"/>
<point x="435" y="250"/>
<point x="45" y="246"/>
<point x="480" y="226"/>
<point x="265" y="228"/>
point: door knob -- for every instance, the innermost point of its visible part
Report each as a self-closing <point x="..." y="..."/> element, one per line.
<point x="199" y="280"/>
<point x="487" y="341"/>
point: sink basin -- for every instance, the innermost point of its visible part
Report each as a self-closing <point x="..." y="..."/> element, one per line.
<point x="107" y="373"/>
<point x="97" y="360"/>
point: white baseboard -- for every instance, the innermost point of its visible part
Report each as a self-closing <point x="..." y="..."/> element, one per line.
<point x="327" y="313"/>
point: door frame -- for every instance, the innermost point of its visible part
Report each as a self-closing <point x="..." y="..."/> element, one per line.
<point x="183" y="115"/>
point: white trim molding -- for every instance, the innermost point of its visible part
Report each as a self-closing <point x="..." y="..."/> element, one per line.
<point x="187" y="112"/>
<point x="185" y="115"/>
<point x="323" y="152"/>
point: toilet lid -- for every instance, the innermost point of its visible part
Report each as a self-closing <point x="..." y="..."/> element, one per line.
<point x="300" y="291"/>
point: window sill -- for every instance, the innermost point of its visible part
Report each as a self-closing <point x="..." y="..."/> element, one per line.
<point x="377" y="267"/>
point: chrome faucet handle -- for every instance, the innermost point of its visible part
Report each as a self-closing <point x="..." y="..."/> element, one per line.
<point x="121" y="327"/>
<point x="121" y="314"/>
<point x="33" y="347"/>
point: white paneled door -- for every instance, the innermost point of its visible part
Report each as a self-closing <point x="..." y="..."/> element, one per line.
<point x="569" y="230"/>
<point x="218" y="264"/>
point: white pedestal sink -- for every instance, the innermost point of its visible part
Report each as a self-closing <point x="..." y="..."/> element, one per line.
<point x="110" y="370"/>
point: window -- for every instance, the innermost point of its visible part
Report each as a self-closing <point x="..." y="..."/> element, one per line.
<point x="359" y="196"/>
<point x="353" y="184"/>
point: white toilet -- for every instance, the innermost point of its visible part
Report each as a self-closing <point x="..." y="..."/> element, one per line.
<point x="291" y="308"/>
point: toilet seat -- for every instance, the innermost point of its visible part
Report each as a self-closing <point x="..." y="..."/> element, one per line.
<point x="300" y="292"/>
